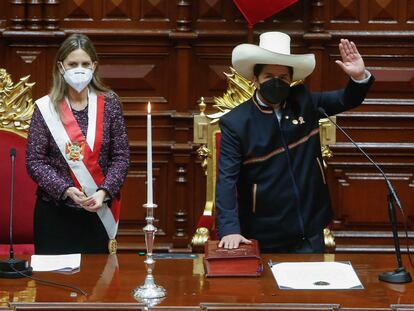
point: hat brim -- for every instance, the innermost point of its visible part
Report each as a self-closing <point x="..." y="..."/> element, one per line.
<point x="245" y="56"/>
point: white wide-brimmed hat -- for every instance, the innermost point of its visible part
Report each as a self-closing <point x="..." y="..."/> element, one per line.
<point x="273" y="49"/>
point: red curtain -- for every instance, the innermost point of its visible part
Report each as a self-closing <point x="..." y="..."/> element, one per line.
<point x="257" y="10"/>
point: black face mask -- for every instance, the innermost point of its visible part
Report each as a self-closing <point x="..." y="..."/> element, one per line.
<point x="274" y="90"/>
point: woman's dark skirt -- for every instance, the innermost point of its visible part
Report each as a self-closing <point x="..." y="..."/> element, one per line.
<point x="61" y="229"/>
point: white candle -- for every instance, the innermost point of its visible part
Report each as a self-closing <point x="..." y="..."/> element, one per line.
<point x="149" y="156"/>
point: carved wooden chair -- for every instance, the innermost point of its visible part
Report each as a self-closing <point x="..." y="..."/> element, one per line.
<point x="16" y="109"/>
<point x="207" y="134"/>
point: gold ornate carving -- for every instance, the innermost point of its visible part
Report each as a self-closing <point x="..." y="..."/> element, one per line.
<point x="26" y="295"/>
<point x="329" y="240"/>
<point x="112" y="246"/>
<point x="203" y="153"/>
<point x="328" y="137"/>
<point x="238" y="90"/>
<point x="16" y="104"/>
<point x="200" y="237"/>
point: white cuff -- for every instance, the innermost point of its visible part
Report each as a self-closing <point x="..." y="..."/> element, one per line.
<point x="365" y="80"/>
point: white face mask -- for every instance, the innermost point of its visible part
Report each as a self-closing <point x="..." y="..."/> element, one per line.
<point x="78" y="78"/>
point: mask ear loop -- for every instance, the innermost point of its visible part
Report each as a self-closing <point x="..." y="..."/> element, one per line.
<point x="62" y="67"/>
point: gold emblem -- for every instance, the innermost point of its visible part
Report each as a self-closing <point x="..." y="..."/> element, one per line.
<point x="112" y="246"/>
<point x="74" y="151"/>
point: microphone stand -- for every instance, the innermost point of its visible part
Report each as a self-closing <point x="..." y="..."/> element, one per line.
<point x="13" y="268"/>
<point x="399" y="275"/>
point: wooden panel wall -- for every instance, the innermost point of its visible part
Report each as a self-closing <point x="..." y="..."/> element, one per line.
<point x="174" y="52"/>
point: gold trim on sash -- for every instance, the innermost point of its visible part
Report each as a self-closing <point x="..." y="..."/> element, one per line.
<point x="112" y="246"/>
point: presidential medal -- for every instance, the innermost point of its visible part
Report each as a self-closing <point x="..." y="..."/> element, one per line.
<point x="74" y="151"/>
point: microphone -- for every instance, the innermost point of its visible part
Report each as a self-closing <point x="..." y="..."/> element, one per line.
<point x="13" y="268"/>
<point x="399" y="275"/>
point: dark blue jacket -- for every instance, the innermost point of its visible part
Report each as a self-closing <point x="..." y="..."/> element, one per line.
<point x="271" y="185"/>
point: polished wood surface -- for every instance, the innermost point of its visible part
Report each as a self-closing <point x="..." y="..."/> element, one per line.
<point x="187" y="288"/>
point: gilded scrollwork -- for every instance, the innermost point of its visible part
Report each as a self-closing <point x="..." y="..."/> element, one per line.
<point x="203" y="153"/>
<point x="238" y="90"/>
<point x="16" y="104"/>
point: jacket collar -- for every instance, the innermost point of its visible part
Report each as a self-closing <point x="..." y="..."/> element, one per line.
<point x="264" y="108"/>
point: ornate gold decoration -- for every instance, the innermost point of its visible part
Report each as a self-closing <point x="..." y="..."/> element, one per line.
<point x="112" y="246"/>
<point x="203" y="153"/>
<point x="200" y="135"/>
<point x="200" y="237"/>
<point x="329" y="240"/>
<point x="238" y="91"/>
<point x="4" y="298"/>
<point x="26" y="295"/>
<point x="16" y="104"/>
<point x="328" y="137"/>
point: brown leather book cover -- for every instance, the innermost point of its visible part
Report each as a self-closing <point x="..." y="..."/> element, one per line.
<point x="242" y="261"/>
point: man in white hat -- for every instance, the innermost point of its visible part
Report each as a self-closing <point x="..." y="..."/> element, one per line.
<point x="271" y="185"/>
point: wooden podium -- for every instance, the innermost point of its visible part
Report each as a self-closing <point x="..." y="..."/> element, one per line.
<point x="109" y="282"/>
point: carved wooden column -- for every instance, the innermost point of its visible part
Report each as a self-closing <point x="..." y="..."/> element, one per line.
<point x="317" y="38"/>
<point x="51" y="14"/>
<point x="17" y="14"/>
<point x="183" y="15"/>
<point x="182" y="36"/>
<point x="34" y="14"/>
<point x="181" y="215"/>
<point x="317" y="21"/>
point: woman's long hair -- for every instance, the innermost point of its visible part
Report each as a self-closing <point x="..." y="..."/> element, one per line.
<point x="60" y="87"/>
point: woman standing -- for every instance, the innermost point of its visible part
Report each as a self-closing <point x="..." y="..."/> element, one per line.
<point x="78" y="154"/>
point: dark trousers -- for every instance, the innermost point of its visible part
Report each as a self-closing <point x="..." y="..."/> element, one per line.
<point x="313" y="244"/>
<point x="61" y="229"/>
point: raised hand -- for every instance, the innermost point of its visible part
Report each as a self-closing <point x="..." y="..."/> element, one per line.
<point x="352" y="62"/>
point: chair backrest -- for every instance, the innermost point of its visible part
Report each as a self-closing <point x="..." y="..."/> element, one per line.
<point x="207" y="134"/>
<point x="16" y="108"/>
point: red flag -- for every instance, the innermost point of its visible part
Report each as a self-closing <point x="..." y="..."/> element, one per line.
<point x="256" y="10"/>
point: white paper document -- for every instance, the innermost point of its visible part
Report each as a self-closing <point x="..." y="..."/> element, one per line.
<point x="315" y="275"/>
<point x="61" y="263"/>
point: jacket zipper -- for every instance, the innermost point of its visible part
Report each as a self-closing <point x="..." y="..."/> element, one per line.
<point x="295" y="187"/>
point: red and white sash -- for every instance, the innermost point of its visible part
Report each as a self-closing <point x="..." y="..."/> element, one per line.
<point x="82" y="154"/>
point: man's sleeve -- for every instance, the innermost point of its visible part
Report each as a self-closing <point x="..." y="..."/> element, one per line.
<point x="342" y="100"/>
<point x="228" y="174"/>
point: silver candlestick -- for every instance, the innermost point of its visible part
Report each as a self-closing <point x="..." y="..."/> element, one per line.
<point x="149" y="290"/>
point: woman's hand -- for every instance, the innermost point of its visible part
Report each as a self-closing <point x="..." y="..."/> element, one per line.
<point x="76" y="195"/>
<point x="95" y="201"/>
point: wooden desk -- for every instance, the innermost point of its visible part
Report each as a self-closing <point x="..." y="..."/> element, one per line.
<point x="110" y="288"/>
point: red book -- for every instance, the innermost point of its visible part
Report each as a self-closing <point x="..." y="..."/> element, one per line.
<point x="242" y="261"/>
